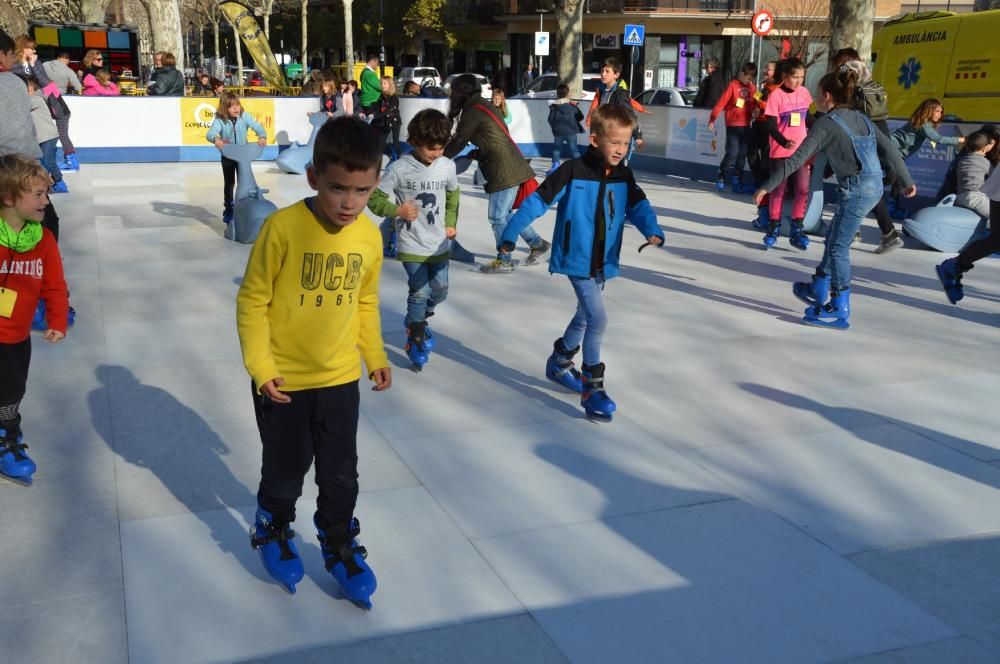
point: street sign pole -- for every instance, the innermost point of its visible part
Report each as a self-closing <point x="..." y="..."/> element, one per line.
<point x="631" y="73"/>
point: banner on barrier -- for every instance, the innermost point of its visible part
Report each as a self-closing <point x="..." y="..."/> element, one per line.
<point x="197" y="116"/>
<point x="690" y="139"/>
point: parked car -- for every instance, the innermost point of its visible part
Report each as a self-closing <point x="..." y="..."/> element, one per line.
<point x="667" y="97"/>
<point x="487" y="89"/>
<point x="544" y="87"/>
<point x="422" y="76"/>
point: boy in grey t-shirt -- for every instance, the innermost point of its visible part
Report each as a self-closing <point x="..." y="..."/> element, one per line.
<point x="420" y="191"/>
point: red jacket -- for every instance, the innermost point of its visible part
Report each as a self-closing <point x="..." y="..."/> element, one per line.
<point x="32" y="275"/>
<point x="738" y="103"/>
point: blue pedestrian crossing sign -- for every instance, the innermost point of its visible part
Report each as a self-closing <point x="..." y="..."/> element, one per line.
<point x="634" y="35"/>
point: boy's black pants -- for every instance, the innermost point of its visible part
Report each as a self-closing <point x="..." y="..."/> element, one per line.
<point x="320" y="424"/>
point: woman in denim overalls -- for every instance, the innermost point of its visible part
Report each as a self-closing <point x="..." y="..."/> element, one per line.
<point x="853" y="145"/>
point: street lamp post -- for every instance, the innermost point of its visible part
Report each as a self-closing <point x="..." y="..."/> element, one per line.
<point x="541" y="13"/>
<point x="381" y="42"/>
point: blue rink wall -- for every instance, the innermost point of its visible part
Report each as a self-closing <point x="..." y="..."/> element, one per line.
<point x="677" y="140"/>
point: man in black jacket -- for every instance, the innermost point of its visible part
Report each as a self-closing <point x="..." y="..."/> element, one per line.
<point x="711" y="87"/>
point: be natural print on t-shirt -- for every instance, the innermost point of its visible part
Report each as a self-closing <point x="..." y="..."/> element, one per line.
<point x="791" y="110"/>
<point x="408" y="179"/>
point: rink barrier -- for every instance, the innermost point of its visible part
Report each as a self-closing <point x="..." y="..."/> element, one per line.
<point x="677" y="140"/>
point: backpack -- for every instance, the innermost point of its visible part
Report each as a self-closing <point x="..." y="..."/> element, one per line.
<point x="872" y="100"/>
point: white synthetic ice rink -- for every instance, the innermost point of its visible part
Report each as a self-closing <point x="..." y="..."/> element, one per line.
<point x="767" y="492"/>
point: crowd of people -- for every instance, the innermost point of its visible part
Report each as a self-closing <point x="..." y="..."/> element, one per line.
<point x="308" y="306"/>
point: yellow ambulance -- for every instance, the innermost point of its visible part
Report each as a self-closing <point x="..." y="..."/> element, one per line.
<point x="953" y="57"/>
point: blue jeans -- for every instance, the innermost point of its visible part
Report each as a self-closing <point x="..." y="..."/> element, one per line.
<point x="49" y="159"/>
<point x="563" y="147"/>
<point x="428" y="284"/>
<point x="856" y="198"/>
<point x="588" y="325"/>
<point x="500" y="213"/>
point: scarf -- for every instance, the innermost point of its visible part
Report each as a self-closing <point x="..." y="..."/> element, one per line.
<point x="21" y="241"/>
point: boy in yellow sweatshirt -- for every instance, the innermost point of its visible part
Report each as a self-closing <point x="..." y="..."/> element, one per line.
<point x="307" y="314"/>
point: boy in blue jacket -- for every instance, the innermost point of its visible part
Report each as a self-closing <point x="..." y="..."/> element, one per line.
<point x="595" y="193"/>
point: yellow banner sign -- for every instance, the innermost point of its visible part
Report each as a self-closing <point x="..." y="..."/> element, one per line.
<point x="197" y="115"/>
<point x="241" y="17"/>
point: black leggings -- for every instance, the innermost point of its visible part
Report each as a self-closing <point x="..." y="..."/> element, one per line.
<point x="983" y="248"/>
<point x="228" y="180"/>
<point x="881" y="210"/>
<point x="320" y="424"/>
<point x="14" y="362"/>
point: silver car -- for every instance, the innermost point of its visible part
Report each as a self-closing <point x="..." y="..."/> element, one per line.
<point x="544" y="87"/>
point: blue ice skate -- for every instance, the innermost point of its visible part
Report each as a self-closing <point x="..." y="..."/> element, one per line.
<point x="559" y="367"/>
<point x="736" y="184"/>
<point x="950" y="274"/>
<point x="15" y="463"/>
<point x="595" y="401"/>
<point x="429" y="343"/>
<point x="834" y="314"/>
<point x="771" y="237"/>
<point x="816" y="293"/>
<point x="761" y="221"/>
<point x="797" y="236"/>
<point x="277" y="550"/>
<point x="345" y="560"/>
<point x="416" y="345"/>
<point x="720" y="183"/>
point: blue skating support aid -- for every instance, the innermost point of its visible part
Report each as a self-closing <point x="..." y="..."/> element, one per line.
<point x="296" y="157"/>
<point x="945" y="227"/>
<point x="250" y="208"/>
<point x="346" y="562"/>
<point x="277" y="550"/>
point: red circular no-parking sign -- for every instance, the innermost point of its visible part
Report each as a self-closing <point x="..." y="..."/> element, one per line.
<point x="762" y="22"/>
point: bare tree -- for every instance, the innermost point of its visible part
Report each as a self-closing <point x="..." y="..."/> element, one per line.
<point x="48" y="10"/>
<point x="805" y="24"/>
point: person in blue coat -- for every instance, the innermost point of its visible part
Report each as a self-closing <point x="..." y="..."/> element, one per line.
<point x="230" y="126"/>
<point x="595" y="193"/>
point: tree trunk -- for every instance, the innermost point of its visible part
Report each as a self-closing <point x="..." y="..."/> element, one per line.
<point x="268" y="5"/>
<point x="201" y="47"/>
<point x="165" y="24"/>
<point x="851" y="24"/>
<point x="239" y="52"/>
<point x="349" y="38"/>
<point x="569" y="44"/>
<point x="215" y="37"/>
<point x="305" y="38"/>
<point x="92" y="11"/>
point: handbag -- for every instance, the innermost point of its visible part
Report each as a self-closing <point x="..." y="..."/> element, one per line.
<point x="526" y="188"/>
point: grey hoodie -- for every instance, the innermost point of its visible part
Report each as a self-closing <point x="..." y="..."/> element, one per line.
<point x="62" y="75"/>
<point x="971" y="172"/>
<point x="17" y="131"/>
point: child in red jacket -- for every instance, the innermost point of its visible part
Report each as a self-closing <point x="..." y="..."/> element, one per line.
<point x="738" y="103"/>
<point x="30" y="268"/>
